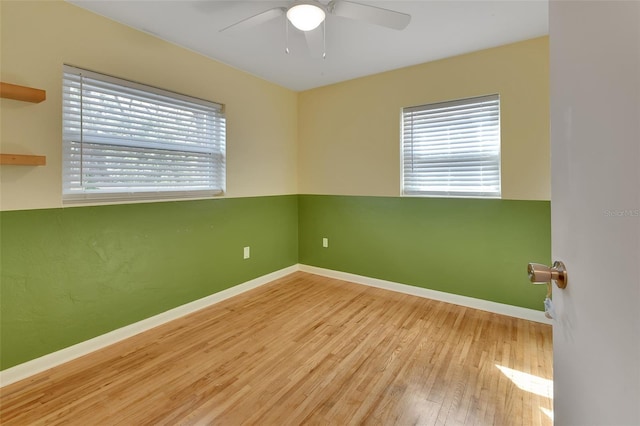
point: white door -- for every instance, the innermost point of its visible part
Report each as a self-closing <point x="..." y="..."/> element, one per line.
<point x="595" y="210"/>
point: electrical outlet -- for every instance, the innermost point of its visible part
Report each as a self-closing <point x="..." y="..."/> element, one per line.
<point x="325" y="242"/>
<point x="247" y="252"/>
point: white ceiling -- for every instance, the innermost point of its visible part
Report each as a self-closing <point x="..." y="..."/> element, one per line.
<point x="438" y="29"/>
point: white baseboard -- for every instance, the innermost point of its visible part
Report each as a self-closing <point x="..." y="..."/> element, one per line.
<point x="470" y="302"/>
<point x="29" y="368"/>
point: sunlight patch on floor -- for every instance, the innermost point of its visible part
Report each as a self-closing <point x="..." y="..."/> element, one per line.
<point x="547" y="412"/>
<point x="528" y="382"/>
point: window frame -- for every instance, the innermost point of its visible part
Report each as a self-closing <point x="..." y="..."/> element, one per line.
<point x="451" y="191"/>
<point x="165" y="150"/>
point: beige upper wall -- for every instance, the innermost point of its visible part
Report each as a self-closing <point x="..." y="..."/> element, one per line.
<point x="339" y="139"/>
<point x="37" y="38"/>
<point x="349" y="133"/>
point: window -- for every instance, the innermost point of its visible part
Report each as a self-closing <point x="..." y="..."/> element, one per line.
<point x="452" y="149"/>
<point x="128" y="141"/>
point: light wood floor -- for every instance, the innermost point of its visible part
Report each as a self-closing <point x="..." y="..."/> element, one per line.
<point x="305" y="350"/>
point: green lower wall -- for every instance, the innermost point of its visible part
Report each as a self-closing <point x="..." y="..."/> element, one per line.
<point x="72" y="274"/>
<point x="68" y="275"/>
<point x="472" y="247"/>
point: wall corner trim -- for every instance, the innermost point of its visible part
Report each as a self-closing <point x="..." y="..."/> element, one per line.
<point x="470" y="302"/>
<point x="46" y="362"/>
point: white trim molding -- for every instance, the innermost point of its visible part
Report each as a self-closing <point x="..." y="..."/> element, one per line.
<point x="456" y="299"/>
<point x="45" y="362"/>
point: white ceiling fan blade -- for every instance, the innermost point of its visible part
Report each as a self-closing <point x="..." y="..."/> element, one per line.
<point x="255" y="20"/>
<point x="374" y="15"/>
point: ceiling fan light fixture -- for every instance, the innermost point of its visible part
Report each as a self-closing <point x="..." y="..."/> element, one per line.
<point x="305" y="16"/>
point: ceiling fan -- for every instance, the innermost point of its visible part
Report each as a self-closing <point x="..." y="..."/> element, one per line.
<point x="307" y="15"/>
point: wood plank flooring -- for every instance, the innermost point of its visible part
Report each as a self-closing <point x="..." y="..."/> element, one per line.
<point x="305" y="350"/>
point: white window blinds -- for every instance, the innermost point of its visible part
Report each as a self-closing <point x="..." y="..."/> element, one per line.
<point x="124" y="140"/>
<point x="452" y="148"/>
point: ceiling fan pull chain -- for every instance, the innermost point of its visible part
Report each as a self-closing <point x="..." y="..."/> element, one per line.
<point x="286" y="36"/>
<point x="324" y="39"/>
